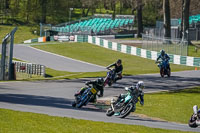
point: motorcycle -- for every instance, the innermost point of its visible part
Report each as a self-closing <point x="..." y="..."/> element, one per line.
<point x="123" y="107"/>
<point x="195" y="118"/>
<point x="109" y="77"/>
<point x="84" y="98"/>
<point x="164" y="70"/>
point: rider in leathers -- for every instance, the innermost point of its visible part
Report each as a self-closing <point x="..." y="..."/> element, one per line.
<point x="164" y="57"/>
<point x="117" y="70"/>
<point x="137" y="91"/>
<point x="97" y="84"/>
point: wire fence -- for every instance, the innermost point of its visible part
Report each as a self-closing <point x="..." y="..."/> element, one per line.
<point x="171" y="46"/>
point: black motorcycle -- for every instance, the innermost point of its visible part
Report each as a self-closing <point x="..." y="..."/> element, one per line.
<point x="195" y="118"/>
<point x="108" y="80"/>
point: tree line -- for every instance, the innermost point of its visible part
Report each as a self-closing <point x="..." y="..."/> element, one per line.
<point x="57" y="11"/>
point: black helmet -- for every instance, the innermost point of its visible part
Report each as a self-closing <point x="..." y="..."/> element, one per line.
<point x="100" y="81"/>
<point x="162" y="52"/>
<point x="119" y="61"/>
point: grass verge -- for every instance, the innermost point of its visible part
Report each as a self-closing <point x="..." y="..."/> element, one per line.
<point x="15" y="121"/>
<point x="171" y="106"/>
<point x="102" y="56"/>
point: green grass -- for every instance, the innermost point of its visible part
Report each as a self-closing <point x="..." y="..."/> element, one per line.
<point x="23" y="33"/>
<point x="172" y="106"/>
<point x="15" y="121"/>
<point x="193" y="51"/>
<point x="102" y="56"/>
<point x="50" y="73"/>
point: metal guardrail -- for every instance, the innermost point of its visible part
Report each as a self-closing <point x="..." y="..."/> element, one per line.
<point x="172" y="46"/>
<point x="29" y="68"/>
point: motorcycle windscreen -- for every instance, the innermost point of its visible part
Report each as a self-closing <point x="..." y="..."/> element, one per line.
<point x="127" y="98"/>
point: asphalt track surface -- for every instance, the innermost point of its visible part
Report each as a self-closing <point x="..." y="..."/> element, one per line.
<point x="54" y="61"/>
<point x="54" y="97"/>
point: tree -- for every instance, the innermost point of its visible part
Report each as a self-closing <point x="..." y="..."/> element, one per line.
<point x="185" y="19"/>
<point x="44" y="10"/>
<point x="139" y="18"/>
<point x="167" y="19"/>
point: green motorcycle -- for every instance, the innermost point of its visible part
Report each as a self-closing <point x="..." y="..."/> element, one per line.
<point x="123" y="107"/>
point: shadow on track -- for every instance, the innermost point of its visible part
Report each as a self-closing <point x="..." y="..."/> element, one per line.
<point x="47" y="101"/>
<point x="143" y="119"/>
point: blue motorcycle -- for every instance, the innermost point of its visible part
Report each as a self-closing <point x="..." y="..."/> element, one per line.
<point x="164" y="68"/>
<point x="123" y="107"/>
<point x="84" y="98"/>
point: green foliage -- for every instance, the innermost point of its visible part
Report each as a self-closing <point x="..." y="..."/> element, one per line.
<point x="23" y="32"/>
<point x="33" y="11"/>
<point x="15" y="121"/>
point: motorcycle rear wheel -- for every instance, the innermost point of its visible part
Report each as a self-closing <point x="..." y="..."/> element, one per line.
<point x="110" y="112"/>
<point x="126" y="111"/>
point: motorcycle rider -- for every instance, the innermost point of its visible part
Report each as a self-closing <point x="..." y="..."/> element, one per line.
<point x="136" y="90"/>
<point x="195" y="116"/>
<point x="117" y="70"/>
<point x="96" y="84"/>
<point x="164" y="57"/>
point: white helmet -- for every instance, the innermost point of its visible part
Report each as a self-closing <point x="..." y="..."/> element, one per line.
<point x="140" y="85"/>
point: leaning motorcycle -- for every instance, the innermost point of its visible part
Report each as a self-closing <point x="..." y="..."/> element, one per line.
<point x="123" y="107"/>
<point x="195" y="119"/>
<point x="164" y="70"/>
<point x="109" y="77"/>
<point x="85" y="97"/>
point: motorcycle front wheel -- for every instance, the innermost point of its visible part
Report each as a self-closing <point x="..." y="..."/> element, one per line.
<point x="81" y="103"/>
<point x="162" y="72"/>
<point x="126" y="111"/>
<point x="192" y="124"/>
<point x="169" y="72"/>
<point x="110" y="112"/>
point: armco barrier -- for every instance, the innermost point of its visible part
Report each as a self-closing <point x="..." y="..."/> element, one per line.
<point x="29" y="68"/>
<point x="175" y="59"/>
<point x="40" y="39"/>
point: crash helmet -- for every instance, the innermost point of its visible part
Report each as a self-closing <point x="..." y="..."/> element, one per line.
<point x="162" y="52"/>
<point x="100" y="81"/>
<point x="140" y="85"/>
<point x="119" y="61"/>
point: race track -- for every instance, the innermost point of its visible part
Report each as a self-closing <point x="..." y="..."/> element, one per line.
<point x="55" y="97"/>
<point x="54" y="61"/>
